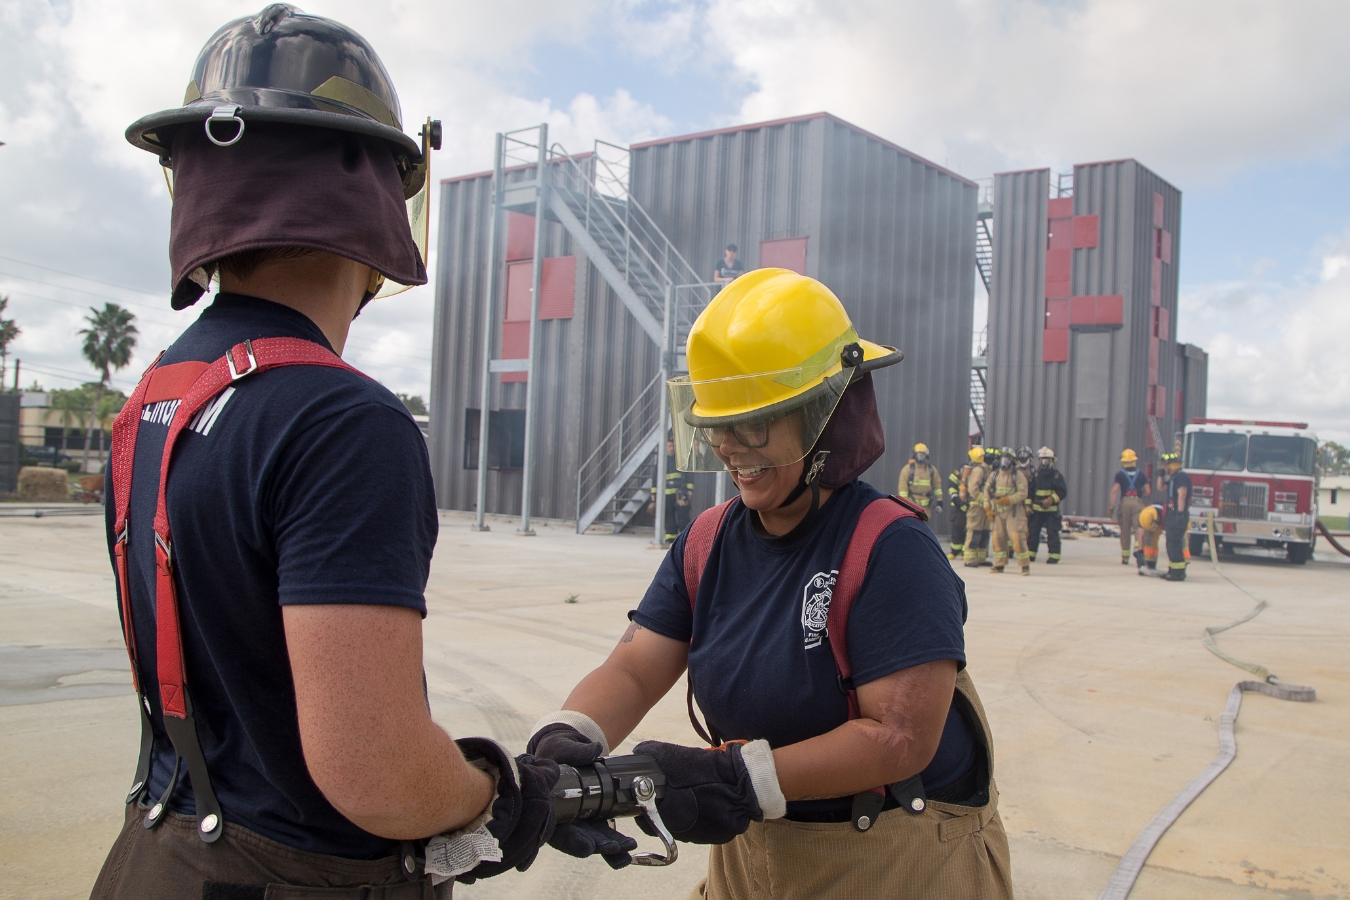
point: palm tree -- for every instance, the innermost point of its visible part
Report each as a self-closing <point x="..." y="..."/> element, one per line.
<point x="108" y="342"/>
<point x="8" y="332"/>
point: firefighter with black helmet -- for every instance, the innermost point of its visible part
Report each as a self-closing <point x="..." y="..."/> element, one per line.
<point x="1177" y="519"/>
<point x="271" y="583"/>
<point x="1047" y="491"/>
<point x="1004" y="493"/>
<point x="920" y="480"/>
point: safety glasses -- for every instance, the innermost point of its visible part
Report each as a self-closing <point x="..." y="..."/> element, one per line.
<point x="753" y="434"/>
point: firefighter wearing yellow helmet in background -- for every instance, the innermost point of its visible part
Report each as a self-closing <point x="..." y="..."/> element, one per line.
<point x="920" y="480"/>
<point x="1046" y="490"/>
<point x="957" y="505"/>
<point x="977" y="516"/>
<point x="1005" y="490"/>
<point x="1128" y="491"/>
<point x="1150" y="528"/>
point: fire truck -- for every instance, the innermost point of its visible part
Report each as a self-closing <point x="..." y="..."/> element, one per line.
<point x="1258" y="479"/>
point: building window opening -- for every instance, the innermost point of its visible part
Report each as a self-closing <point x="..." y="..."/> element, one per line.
<point x="506" y="439"/>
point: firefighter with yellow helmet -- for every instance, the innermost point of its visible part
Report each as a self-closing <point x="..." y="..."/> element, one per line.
<point x="1151" y="529"/>
<point x="976" y="551"/>
<point x="1128" y="492"/>
<point x="779" y="395"/>
<point x="920" y="480"/>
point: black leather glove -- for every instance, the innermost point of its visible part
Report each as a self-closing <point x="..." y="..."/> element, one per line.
<point x="522" y="815"/>
<point x="709" y="796"/>
<point x="564" y="744"/>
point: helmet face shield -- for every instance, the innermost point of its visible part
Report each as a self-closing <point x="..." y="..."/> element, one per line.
<point x="756" y="434"/>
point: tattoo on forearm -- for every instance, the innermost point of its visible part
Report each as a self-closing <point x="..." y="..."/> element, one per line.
<point x="628" y="635"/>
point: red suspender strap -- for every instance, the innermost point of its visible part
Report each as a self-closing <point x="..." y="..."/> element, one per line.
<point x="241" y="360"/>
<point x="874" y="519"/>
<point x="698" y="544"/>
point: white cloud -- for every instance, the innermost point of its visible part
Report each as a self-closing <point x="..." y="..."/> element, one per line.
<point x="1194" y="90"/>
<point x="1278" y="352"/>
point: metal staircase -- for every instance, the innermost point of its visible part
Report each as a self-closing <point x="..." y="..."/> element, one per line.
<point x="984" y="261"/>
<point x="979" y="365"/>
<point x="589" y="196"/>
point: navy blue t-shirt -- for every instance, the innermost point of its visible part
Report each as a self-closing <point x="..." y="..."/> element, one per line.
<point x="759" y="654"/>
<point x="300" y="485"/>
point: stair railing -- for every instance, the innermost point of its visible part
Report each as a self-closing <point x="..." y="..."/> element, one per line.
<point x="606" y="461"/>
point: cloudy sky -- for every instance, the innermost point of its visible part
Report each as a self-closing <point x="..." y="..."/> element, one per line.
<point x="1244" y="105"/>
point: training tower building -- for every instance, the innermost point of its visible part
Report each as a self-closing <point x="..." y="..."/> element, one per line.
<point x="602" y="265"/>
<point x="1083" y="354"/>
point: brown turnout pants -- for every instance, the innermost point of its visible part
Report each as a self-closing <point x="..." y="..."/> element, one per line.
<point x="169" y="862"/>
<point x="947" y="852"/>
<point x="1127" y="515"/>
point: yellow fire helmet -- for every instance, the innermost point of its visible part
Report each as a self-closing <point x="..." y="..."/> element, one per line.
<point x="921" y="447"/>
<point x="1148" y="518"/>
<point x="769" y="359"/>
<point x="1129" y="456"/>
<point x="976" y="454"/>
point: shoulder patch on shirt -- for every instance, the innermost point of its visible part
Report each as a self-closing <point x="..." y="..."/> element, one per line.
<point x="816" y="607"/>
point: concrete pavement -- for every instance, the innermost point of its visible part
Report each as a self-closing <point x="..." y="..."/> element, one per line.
<point x="1103" y="701"/>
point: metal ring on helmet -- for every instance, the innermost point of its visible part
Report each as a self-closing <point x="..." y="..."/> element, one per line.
<point x="770" y="345"/>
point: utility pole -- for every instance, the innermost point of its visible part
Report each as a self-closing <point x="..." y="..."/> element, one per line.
<point x="540" y="208"/>
<point x="489" y="305"/>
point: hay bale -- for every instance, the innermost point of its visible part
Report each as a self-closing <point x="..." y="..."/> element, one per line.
<point x="41" y="484"/>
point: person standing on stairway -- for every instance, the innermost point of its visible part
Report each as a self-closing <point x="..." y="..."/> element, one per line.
<point x="728" y="268"/>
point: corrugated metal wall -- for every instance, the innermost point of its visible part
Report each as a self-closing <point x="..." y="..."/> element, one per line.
<point x="1193" y="379"/>
<point x="1093" y="406"/>
<point x="892" y="234"/>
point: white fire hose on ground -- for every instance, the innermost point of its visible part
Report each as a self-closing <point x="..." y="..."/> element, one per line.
<point x="1123" y="878"/>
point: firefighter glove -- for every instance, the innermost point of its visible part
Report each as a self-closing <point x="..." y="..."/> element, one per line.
<point x="1003" y="501"/>
<point x="713" y="794"/>
<point x="521" y="815"/>
<point x="558" y="739"/>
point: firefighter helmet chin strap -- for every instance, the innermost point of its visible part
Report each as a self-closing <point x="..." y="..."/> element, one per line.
<point x="372" y="288"/>
<point x="810" y="478"/>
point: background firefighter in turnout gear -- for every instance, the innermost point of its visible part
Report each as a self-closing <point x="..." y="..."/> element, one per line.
<point x="1178" y="517"/>
<point x="956" y="508"/>
<point x="1047" y="489"/>
<point x="977" y="514"/>
<point x="1128" y="490"/>
<point x="679" y="496"/>
<point x="920" y="480"/>
<point x="1150" y="526"/>
<point x="1005" y="491"/>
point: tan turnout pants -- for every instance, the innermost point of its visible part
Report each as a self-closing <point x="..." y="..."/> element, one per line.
<point x="1127" y="515"/>
<point x="1010" y="526"/>
<point x="947" y="852"/>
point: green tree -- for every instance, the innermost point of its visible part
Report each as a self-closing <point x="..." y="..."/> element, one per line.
<point x="1334" y="457"/>
<point x="8" y="332"/>
<point x="108" y="342"/>
<point x="416" y="405"/>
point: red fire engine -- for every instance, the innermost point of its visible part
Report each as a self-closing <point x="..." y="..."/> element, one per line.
<point x="1258" y="479"/>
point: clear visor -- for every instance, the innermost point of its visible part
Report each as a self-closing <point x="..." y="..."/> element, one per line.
<point x="418" y="220"/>
<point x="756" y="434"/>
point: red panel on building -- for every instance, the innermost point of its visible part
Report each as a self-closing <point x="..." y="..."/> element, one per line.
<point x="1058" y="265"/>
<point x="519" y="236"/>
<point x="515" y="345"/>
<point x="1161" y="324"/>
<point x="1058" y="289"/>
<point x="1154" y="350"/>
<point x="518" y="277"/>
<point x="1056" y="314"/>
<point x="1157" y="210"/>
<point x="1061" y="208"/>
<point x="786" y="253"/>
<point x="1055" y="344"/>
<point x="1151" y="445"/>
<point x="1111" y="310"/>
<point x="1165" y="245"/>
<point x="1060" y="235"/>
<point x="1083" y="311"/>
<point x="1155" y="286"/>
<point x="1084" y="232"/>
<point x="558" y="287"/>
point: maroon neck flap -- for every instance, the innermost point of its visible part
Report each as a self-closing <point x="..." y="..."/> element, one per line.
<point x="853" y="436"/>
<point x="287" y="186"/>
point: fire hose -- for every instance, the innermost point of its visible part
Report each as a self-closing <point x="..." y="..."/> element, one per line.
<point x="1322" y="529"/>
<point x="613" y="788"/>
<point x="1123" y="878"/>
